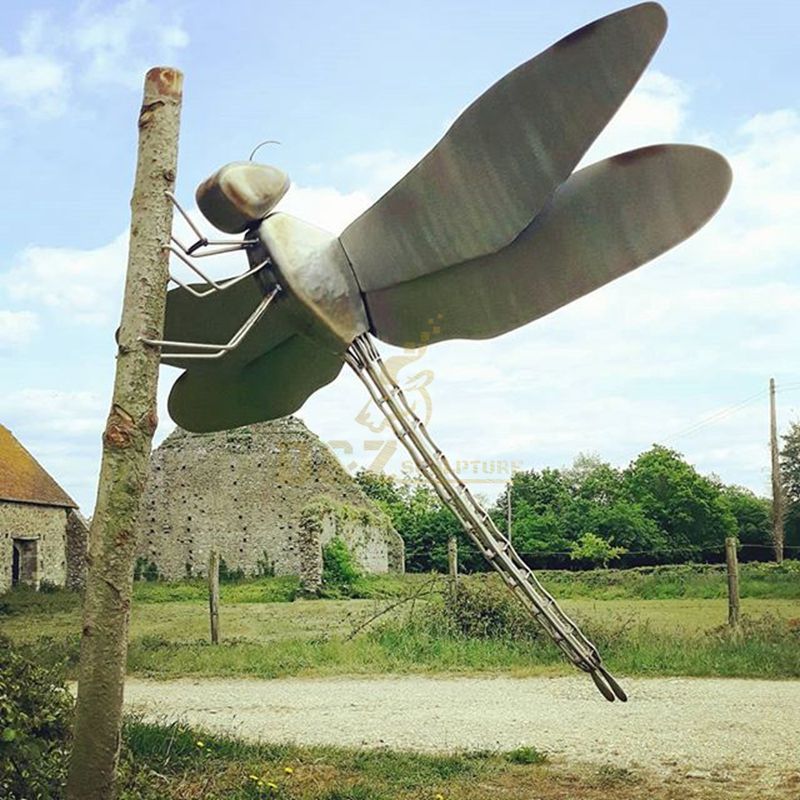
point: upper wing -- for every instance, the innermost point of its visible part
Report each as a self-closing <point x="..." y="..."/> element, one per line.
<point x="606" y="220"/>
<point x="495" y="168"/>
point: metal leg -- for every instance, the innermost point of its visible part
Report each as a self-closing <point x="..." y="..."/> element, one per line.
<point x="217" y="247"/>
<point x="364" y="359"/>
<point x="212" y="351"/>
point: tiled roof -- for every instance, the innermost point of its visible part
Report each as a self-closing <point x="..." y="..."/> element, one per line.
<point x="23" y="479"/>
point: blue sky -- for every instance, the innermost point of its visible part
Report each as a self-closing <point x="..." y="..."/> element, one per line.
<point x="356" y="92"/>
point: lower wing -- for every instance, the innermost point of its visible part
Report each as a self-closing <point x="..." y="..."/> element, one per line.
<point x="604" y="221"/>
<point x="273" y="385"/>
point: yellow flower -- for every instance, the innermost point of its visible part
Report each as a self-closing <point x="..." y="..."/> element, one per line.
<point x="253" y="777"/>
<point x="272" y="785"/>
<point x="200" y="744"/>
<point x="288" y="770"/>
<point x="438" y="797"/>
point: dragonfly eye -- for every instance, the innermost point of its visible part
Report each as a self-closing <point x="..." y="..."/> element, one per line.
<point x="240" y="194"/>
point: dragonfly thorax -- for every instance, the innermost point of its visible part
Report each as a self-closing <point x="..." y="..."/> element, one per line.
<point x="240" y="194"/>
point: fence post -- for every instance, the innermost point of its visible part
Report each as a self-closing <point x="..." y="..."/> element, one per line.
<point x="213" y="594"/>
<point x="452" y="563"/>
<point x="733" y="583"/>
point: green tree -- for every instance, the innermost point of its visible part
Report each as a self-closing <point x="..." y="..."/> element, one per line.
<point x="688" y="508"/>
<point x="379" y="486"/>
<point x="790" y="474"/>
<point x="594" y="550"/>
<point x="752" y="515"/>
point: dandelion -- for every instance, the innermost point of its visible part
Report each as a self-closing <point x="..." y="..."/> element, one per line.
<point x="253" y="777"/>
<point x="272" y="785"/>
<point x="289" y="770"/>
<point x="438" y="797"/>
<point x="200" y="744"/>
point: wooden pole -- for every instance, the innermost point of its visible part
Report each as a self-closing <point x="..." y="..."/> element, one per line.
<point x="508" y="509"/>
<point x="213" y="594"/>
<point x="733" y="583"/>
<point x="127" y="441"/>
<point x="777" y="483"/>
<point x="452" y="563"/>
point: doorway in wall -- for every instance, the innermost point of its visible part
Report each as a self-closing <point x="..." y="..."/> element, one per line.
<point x="24" y="563"/>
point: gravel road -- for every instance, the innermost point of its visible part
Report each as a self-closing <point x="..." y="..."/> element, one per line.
<point x="714" y="727"/>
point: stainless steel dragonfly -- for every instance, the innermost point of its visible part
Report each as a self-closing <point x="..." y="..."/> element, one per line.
<point x="489" y="231"/>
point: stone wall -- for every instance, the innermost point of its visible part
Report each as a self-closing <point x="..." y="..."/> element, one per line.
<point x="77" y="543"/>
<point x="368" y="534"/>
<point x="46" y="525"/>
<point x="243" y="492"/>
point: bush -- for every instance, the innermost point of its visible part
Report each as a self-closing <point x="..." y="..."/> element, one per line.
<point x="485" y="609"/>
<point x="339" y="569"/>
<point x="35" y="723"/>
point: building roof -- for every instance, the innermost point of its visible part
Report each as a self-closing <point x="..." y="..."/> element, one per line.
<point x="24" y="480"/>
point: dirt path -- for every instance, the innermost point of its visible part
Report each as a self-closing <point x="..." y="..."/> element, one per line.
<point x="714" y="728"/>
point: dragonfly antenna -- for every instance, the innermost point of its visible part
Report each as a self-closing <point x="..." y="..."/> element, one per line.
<point x="260" y="145"/>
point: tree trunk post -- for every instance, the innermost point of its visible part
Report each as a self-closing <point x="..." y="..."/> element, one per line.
<point x="452" y="563"/>
<point x="213" y="594"/>
<point x="127" y="442"/>
<point x="733" y="583"/>
<point x="777" y="483"/>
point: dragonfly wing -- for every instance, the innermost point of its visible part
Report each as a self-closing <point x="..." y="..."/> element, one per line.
<point x="606" y="220"/>
<point x="268" y="375"/>
<point x="496" y="167"/>
<point x="215" y="318"/>
<point x="274" y="384"/>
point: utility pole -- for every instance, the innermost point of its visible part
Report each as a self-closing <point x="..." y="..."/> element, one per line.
<point x="127" y="442"/>
<point x="777" y="483"/>
<point x="508" y="508"/>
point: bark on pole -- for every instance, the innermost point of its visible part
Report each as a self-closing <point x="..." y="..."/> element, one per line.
<point x="127" y="441"/>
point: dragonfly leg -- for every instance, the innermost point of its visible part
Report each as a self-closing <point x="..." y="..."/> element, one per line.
<point x="363" y="357"/>
<point x="208" y="351"/>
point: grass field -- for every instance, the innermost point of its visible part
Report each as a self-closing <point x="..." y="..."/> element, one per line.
<point x="265" y="636"/>
<point x="176" y="762"/>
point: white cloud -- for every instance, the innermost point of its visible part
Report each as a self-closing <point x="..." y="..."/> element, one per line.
<point x="83" y="285"/>
<point x="53" y="411"/>
<point x="654" y="112"/>
<point x="17" y="327"/>
<point x="92" y="46"/>
<point x="117" y="45"/>
<point x="325" y="206"/>
<point x="33" y="80"/>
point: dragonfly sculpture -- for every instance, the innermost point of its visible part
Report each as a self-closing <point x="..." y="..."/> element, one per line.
<point x="489" y="231"/>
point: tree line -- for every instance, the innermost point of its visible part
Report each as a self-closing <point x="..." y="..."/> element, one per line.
<point x="658" y="510"/>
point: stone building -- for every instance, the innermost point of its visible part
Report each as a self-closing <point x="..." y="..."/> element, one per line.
<point x="266" y="496"/>
<point x="37" y="521"/>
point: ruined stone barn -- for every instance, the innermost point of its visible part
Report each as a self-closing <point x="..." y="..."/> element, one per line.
<point x="42" y="534"/>
<point x="268" y="497"/>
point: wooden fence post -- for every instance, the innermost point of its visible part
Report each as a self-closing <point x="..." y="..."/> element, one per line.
<point x="213" y="594"/>
<point x="733" y="583"/>
<point x="452" y="563"/>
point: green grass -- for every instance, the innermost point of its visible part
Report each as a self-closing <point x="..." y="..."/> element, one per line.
<point x="267" y="638"/>
<point x="174" y="761"/>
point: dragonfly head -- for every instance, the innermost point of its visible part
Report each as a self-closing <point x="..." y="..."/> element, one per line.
<point x="240" y="194"/>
